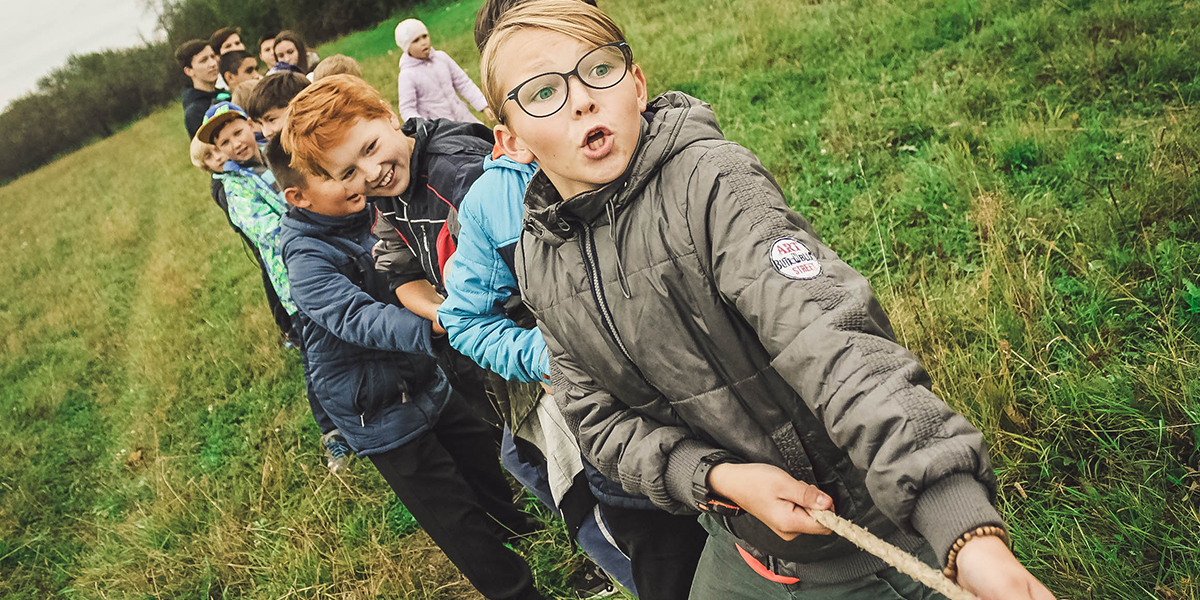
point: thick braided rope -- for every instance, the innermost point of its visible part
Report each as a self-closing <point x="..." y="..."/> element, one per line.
<point x="901" y="560"/>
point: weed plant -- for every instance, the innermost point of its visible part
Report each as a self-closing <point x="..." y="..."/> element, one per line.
<point x="1019" y="180"/>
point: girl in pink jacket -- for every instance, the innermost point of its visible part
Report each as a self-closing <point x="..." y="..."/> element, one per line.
<point x="430" y="82"/>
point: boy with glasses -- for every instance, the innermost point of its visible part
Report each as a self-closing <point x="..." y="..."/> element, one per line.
<point x="710" y="351"/>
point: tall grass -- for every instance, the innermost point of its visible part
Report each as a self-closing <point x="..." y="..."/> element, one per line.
<point x="1018" y="180"/>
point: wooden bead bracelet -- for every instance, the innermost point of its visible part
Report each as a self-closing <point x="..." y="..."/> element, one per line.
<point x="951" y="570"/>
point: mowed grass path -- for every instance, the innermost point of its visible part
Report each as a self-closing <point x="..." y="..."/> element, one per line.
<point x="1018" y="179"/>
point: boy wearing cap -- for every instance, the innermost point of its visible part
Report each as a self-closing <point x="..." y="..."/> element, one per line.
<point x="430" y="82"/>
<point x="255" y="207"/>
<point x="200" y="65"/>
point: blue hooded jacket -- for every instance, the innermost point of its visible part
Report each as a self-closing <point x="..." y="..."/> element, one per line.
<point x="371" y="360"/>
<point x="482" y="279"/>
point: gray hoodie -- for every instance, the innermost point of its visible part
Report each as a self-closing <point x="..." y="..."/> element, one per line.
<point x="690" y="313"/>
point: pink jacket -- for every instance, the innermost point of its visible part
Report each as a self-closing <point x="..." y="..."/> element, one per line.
<point x="427" y="89"/>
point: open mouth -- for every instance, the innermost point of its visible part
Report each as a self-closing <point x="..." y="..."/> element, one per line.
<point x="597" y="142"/>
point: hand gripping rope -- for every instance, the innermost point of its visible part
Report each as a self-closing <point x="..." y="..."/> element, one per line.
<point x="901" y="560"/>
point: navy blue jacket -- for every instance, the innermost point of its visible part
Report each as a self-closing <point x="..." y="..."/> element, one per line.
<point x="371" y="360"/>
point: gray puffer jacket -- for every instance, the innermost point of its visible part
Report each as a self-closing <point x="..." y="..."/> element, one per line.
<point x="688" y="311"/>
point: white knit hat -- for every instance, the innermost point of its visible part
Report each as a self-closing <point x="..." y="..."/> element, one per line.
<point x="408" y="31"/>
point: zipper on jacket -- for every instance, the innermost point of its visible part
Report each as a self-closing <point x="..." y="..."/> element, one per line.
<point x="588" y="243"/>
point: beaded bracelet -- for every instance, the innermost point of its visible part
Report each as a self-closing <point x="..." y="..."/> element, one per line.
<point x="951" y="570"/>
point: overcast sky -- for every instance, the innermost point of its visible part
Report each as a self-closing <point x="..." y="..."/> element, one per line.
<point x="38" y="35"/>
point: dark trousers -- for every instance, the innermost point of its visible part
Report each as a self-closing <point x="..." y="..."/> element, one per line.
<point x="449" y="479"/>
<point x="664" y="549"/>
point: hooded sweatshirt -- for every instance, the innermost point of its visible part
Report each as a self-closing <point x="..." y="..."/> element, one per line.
<point x="692" y="316"/>
<point x="429" y="88"/>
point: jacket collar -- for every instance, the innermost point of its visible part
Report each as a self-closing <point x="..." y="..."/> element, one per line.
<point x="346" y="226"/>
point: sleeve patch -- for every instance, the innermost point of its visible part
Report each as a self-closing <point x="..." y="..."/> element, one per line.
<point x="793" y="259"/>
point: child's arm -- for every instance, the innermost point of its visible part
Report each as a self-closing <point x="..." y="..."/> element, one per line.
<point x="467" y="88"/>
<point x="331" y="300"/>
<point x="407" y="92"/>
<point x="420" y="297"/>
<point x="477" y="288"/>
<point x="926" y="466"/>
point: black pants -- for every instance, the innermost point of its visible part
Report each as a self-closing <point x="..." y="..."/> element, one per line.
<point x="449" y="479"/>
<point x="663" y="548"/>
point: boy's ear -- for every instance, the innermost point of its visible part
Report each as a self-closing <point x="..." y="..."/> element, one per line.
<point x="295" y="197"/>
<point x="512" y="146"/>
<point x="639" y="83"/>
<point x="393" y="119"/>
<point x="187" y="71"/>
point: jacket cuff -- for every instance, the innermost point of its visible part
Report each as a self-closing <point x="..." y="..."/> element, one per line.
<point x="951" y="507"/>
<point x="681" y="470"/>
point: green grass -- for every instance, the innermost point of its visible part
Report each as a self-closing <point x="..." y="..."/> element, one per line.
<point x="1019" y="180"/>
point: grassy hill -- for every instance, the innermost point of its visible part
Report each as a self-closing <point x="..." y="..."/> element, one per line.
<point x="1020" y="180"/>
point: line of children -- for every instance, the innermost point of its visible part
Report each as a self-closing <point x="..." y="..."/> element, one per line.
<point x="764" y="379"/>
<point x="255" y="209"/>
<point x="709" y="350"/>
<point x="406" y="417"/>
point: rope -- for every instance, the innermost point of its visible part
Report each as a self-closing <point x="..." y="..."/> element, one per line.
<point x="901" y="560"/>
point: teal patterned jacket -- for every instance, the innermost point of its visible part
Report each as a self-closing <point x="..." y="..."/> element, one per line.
<point x="257" y="208"/>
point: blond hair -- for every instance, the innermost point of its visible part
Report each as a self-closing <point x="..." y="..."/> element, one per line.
<point x="335" y="65"/>
<point x="200" y="152"/>
<point x="571" y="18"/>
<point x="241" y="94"/>
<point x="320" y="115"/>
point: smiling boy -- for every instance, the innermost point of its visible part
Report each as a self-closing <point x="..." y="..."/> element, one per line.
<point x="415" y="175"/>
<point x="374" y="362"/>
<point x="710" y="351"/>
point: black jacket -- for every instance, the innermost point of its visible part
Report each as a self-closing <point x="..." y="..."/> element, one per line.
<point x="195" y="104"/>
<point x="417" y="228"/>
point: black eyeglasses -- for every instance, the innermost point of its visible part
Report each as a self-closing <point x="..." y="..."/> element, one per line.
<point x="545" y="94"/>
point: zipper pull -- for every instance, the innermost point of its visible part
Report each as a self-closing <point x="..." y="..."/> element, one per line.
<point x="362" y="420"/>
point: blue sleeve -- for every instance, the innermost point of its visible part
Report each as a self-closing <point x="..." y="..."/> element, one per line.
<point x="332" y="301"/>
<point x="476" y="289"/>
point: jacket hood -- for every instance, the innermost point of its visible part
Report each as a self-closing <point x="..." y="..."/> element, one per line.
<point x="504" y="162"/>
<point x="672" y="122"/>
